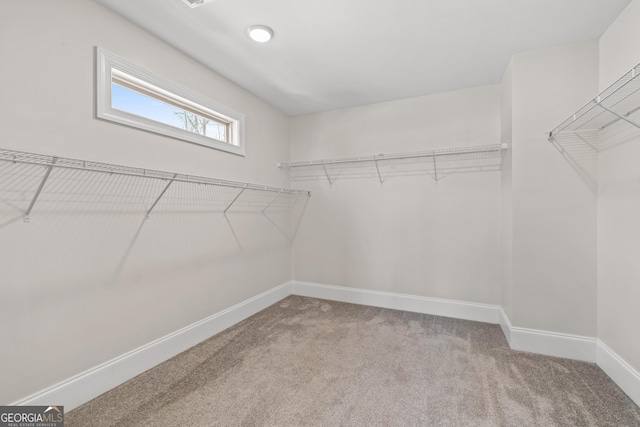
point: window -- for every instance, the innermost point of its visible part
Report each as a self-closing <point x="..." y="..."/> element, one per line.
<point x="129" y="95"/>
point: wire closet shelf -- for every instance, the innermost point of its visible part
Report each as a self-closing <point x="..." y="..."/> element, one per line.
<point x="20" y="167"/>
<point x="436" y="163"/>
<point x="619" y="103"/>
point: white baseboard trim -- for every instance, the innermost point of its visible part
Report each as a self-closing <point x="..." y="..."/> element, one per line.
<point x="548" y="343"/>
<point x="553" y="344"/>
<point x="574" y="347"/>
<point x="623" y="374"/>
<point x="83" y="387"/>
<point x="87" y="385"/>
<point x="506" y="326"/>
<point x="418" y="304"/>
<point x="556" y="344"/>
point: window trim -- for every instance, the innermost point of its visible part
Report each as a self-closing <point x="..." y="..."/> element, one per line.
<point x="106" y="61"/>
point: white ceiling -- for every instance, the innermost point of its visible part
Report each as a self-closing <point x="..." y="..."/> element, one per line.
<point x="340" y="53"/>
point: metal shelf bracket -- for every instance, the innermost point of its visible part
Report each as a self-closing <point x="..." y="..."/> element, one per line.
<point x="27" y="213"/>
<point x="327" y="174"/>
<point x="435" y="169"/>
<point x="378" y="170"/>
<point x="234" y="200"/>
<point x="619" y="116"/>
<point x="271" y="202"/>
<point x="160" y="195"/>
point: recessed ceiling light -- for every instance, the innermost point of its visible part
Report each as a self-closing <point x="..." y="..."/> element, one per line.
<point x="260" y="33"/>
<point x="196" y="3"/>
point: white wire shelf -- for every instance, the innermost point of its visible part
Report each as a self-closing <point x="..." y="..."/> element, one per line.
<point x="436" y="163"/>
<point x="618" y="104"/>
<point x="27" y="179"/>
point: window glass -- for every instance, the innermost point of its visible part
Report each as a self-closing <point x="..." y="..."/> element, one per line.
<point x="135" y="97"/>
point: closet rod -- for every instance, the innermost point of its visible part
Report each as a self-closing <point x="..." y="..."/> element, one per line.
<point x="53" y="162"/>
<point x="416" y="155"/>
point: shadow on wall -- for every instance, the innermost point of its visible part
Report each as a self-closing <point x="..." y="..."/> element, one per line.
<point x="105" y="261"/>
<point x="580" y="150"/>
<point x="580" y="147"/>
<point x="86" y="223"/>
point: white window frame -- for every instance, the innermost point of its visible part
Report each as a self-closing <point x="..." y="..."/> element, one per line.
<point x="106" y="62"/>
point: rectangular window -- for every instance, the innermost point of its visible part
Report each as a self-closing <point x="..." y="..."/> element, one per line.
<point x="129" y="95"/>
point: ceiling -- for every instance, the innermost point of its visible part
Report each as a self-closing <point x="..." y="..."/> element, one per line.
<point x="340" y="53"/>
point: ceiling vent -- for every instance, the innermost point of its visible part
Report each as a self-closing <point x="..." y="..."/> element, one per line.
<point x="196" y="3"/>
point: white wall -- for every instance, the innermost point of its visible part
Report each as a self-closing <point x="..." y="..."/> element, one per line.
<point x="506" y="177"/>
<point x="619" y="205"/>
<point x="411" y="234"/>
<point x="554" y="209"/>
<point x="65" y="306"/>
<point x="525" y="238"/>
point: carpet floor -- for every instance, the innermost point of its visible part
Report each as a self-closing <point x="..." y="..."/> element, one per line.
<point x="310" y="362"/>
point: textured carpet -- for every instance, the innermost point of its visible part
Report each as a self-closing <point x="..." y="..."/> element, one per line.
<point x="309" y="362"/>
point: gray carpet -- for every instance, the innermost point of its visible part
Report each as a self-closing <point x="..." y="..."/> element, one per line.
<point x="309" y="362"/>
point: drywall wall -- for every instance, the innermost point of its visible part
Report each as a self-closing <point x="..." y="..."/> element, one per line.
<point x="411" y="234"/>
<point x="86" y="282"/>
<point x="619" y="203"/>
<point x="554" y="206"/>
